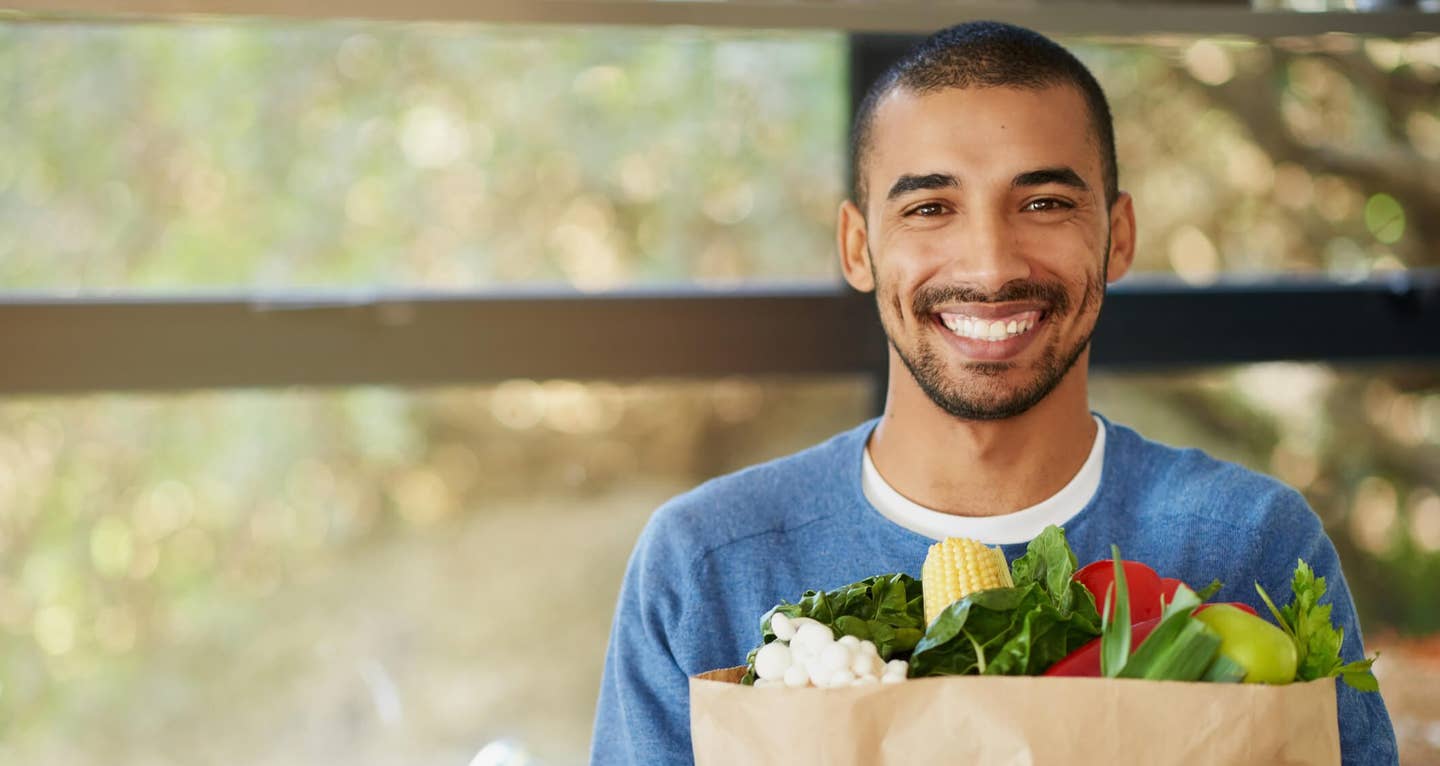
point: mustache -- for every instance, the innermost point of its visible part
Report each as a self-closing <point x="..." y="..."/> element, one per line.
<point x="929" y="298"/>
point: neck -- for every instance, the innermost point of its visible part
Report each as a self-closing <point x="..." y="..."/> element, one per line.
<point x="981" y="467"/>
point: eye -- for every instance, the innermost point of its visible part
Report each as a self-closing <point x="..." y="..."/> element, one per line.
<point x="1046" y="204"/>
<point x="926" y="210"/>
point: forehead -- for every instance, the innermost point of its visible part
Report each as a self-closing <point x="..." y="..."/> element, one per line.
<point x="974" y="133"/>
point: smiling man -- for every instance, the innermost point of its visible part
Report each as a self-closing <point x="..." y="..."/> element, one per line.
<point x="988" y="251"/>
<point x="987" y="220"/>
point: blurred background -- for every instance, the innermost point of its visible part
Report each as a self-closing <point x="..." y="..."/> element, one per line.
<point x="383" y="575"/>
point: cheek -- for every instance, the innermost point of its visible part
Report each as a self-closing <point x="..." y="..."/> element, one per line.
<point x="907" y="262"/>
<point x="898" y="290"/>
<point x="888" y="293"/>
<point x="1075" y="261"/>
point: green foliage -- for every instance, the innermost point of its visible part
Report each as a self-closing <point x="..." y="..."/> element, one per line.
<point x="886" y="609"/>
<point x="1019" y="630"/>
<point x="1317" y="640"/>
<point x="229" y="154"/>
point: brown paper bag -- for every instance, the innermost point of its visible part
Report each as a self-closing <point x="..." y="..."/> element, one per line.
<point x="1015" y="720"/>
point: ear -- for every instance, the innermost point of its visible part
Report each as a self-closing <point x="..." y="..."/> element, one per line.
<point x="853" y="241"/>
<point x="1122" y="237"/>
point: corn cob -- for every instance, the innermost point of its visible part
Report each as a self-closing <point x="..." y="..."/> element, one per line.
<point x="956" y="567"/>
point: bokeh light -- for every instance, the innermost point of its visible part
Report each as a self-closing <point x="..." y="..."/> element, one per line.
<point x="1385" y="218"/>
<point x="1424" y="512"/>
<point x="244" y="561"/>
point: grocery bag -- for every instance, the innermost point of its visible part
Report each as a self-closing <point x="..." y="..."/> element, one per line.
<point x="1013" y="721"/>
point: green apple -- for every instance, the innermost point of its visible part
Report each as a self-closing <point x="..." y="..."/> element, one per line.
<point x="1265" y="651"/>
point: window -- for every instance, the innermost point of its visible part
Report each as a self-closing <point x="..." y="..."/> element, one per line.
<point x="196" y="570"/>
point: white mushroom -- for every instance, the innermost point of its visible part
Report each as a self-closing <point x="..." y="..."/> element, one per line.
<point x="863" y="664"/>
<point x="816" y="670"/>
<point x="772" y="660"/>
<point x="895" y="671"/>
<point x="782" y="626"/>
<point x="835" y="657"/>
<point x="796" y="677"/>
<point x="813" y="636"/>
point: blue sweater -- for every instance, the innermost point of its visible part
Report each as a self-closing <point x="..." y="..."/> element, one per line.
<point x="713" y="560"/>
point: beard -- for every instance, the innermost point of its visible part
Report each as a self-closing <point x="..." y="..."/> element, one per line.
<point x="983" y="395"/>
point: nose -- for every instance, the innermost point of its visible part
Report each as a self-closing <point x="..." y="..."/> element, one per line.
<point x="987" y="253"/>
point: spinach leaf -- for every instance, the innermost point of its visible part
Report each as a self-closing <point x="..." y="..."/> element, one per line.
<point x="1013" y="631"/>
<point x="1006" y="631"/>
<point x="1048" y="561"/>
<point x="887" y="609"/>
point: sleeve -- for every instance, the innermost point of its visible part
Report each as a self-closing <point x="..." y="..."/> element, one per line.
<point x="1367" y="736"/>
<point x="643" y="712"/>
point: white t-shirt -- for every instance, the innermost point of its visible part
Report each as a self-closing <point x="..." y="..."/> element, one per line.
<point x="1018" y="527"/>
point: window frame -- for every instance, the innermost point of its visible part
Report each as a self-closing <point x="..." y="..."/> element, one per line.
<point x="59" y="345"/>
<point x="55" y="343"/>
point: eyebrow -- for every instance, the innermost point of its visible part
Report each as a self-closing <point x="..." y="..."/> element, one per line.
<point x="1056" y="175"/>
<point x="908" y="183"/>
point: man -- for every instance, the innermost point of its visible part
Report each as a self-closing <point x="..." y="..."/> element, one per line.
<point x="987" y="220"/>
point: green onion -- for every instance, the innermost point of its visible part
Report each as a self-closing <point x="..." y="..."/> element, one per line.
<point x="1182" y="653"/>
<point x="1115" y="627"/>
<point x="1224" y="670"/>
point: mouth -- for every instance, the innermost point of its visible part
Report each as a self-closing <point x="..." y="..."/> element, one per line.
<point x="991" y="327"/>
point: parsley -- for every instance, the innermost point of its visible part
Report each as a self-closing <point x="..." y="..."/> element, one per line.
<point x="1317" y="640"/>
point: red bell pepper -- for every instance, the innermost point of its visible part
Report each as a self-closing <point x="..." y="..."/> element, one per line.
<point x="1144" y="584"/>
<point x="1085" y="661"/>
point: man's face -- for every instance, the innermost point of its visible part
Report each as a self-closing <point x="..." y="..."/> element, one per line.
<point x="987" y="239"/>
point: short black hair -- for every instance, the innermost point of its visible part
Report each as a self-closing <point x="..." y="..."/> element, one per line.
<point x="986" y="54"/>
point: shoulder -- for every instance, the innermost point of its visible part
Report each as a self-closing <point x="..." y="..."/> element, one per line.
<point x="1201" y="517"/>
<point x="1193" y="483"/>
<point x="773" y="497"/>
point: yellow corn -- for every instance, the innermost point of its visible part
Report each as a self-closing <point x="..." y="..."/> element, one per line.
<point x="956" y="567"/>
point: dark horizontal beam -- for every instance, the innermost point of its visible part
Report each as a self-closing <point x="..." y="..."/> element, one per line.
<point x="424" y="339"/>
<point x="1198" y="17"/>
<point x="1394" y="318"/>
<point x="53" y="344"/>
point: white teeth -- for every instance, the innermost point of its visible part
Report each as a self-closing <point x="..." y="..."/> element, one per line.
<point x="980" y="329"/>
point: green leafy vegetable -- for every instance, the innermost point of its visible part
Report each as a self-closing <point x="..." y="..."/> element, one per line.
<point x="886" y="609"/>
<point x="1013" y="631"/>
<point x="1048" y="561"/>
<point x="1317" y="640"/>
